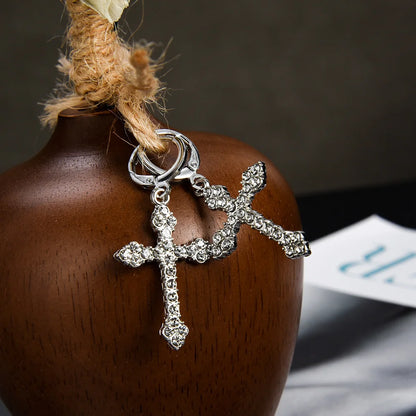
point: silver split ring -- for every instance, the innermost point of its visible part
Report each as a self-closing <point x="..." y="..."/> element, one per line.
<point x="159" y="175"/>
<point x="192" y="163"/>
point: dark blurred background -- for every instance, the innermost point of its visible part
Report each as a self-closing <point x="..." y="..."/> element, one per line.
<point x="326" y="89"/>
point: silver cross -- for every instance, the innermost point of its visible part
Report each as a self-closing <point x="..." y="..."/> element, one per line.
<point x="134" y="254"/>
<point x="239" y="211"/>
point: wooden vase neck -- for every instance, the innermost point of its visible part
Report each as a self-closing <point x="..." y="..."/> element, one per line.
<point x="82" y="130"/>
<point x="97" y="138"/>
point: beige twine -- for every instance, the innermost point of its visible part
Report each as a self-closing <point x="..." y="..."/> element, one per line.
<point x="104" y="70"/>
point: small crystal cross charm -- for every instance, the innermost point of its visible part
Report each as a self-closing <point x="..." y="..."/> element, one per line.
<point x="134" y="254"/>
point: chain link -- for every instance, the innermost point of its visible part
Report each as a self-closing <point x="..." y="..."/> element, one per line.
<point x="199" y="183"/>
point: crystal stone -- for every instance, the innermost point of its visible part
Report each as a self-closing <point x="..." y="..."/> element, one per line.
<point x="147" y="254"/>
<point x="258" y="222"/>
<point x="170" y="284"/>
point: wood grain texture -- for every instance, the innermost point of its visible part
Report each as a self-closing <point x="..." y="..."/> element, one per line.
<point x="79" y="331"/>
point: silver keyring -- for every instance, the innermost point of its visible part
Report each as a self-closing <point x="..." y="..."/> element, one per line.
<point x="192" y="163"/>
<point x="159" y="175"/>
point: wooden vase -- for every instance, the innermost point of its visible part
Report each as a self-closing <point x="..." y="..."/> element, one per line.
<point x="79" y="331"/>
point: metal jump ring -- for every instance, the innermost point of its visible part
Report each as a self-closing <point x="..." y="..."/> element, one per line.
<point x="192" y="163"/>
<point x="161" y="194"/>
<point x="160" y="176"/>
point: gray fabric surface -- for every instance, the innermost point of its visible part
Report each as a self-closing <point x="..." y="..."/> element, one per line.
<point x="354" y="357"/>
<point x="3" y="410"/>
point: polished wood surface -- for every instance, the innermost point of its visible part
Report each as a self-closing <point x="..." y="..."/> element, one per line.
<point x="79" y="331"/>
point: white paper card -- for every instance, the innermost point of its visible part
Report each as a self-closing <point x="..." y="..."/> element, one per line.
<point x="373" y="258"/>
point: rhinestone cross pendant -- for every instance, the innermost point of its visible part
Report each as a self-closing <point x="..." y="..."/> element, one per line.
<point x="134" y="254"/>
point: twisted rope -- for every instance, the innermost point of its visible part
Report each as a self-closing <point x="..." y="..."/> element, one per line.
<point x="102" y="69"/>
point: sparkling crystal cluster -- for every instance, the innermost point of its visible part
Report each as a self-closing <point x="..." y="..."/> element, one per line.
<point x="198" y="251"/>
<point x="134" y="254"/>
